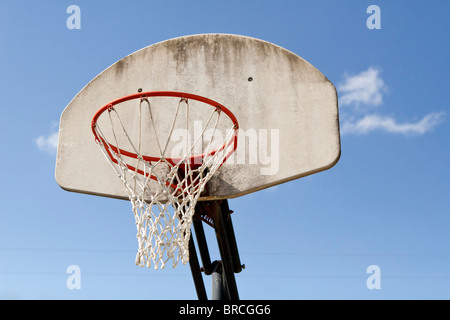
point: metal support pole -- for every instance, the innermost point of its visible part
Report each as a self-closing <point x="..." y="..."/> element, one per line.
<point x="226" y="214"/>
<point x="217" y="215"/>
<point x="225" y="253"/>
<point x="202" y="245"/>
<point x="196" y="273"/>
<point x="218" y="290"/>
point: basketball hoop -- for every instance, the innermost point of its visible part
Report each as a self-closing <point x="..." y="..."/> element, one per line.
<point x="163" y="217"/>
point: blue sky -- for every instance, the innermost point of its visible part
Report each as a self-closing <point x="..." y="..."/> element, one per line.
<point x="385" y="203"/>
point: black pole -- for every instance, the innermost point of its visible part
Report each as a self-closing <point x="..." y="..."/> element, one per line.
<point x="202" y="245"/>
<point x="218" y="215"/>
<point x="225" y="252"/>
<point x="226" y="214"/>
<point x="196" y="272"/>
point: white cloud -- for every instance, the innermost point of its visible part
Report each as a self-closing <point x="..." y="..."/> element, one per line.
<point x="384" y="123"/>
<point x="365" y="88"/>
<point x="48" y="143"/>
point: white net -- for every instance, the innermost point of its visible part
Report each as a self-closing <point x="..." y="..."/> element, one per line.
<point x="163" y="190"/>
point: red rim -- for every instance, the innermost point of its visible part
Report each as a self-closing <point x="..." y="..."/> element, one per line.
<point x="193" y="160"/>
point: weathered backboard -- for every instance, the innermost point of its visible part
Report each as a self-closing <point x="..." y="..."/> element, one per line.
<point x="287" y="112"/>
